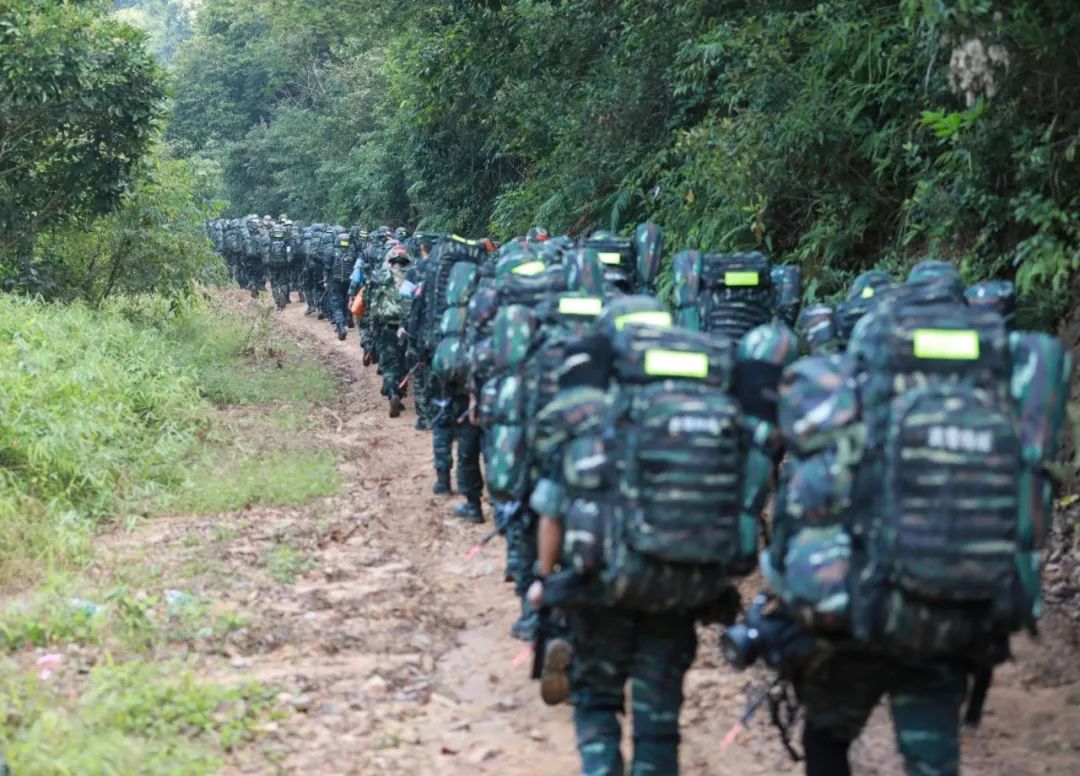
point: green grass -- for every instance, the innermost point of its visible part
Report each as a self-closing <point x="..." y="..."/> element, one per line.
<point x="279" y="478"/>
<point x="284" y="562"/>
<point x="133" y="717"/>
<point x="107" y="413"/>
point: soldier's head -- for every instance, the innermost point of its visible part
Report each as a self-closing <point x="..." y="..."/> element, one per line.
<point x="538" y="234"/>
<point x="868" y="284"/>
<point x="398" y="257"/>
<point x="283" y="217"/>
<point x="942" y="276"/>
<point x="401" y="233"/>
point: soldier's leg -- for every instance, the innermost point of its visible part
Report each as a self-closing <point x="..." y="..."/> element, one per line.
<point x="470" y="480"/>
<point x="666" y="644"/>
<point x="839" y="694"/>
<point x="442" y="437"/>
<point x="422" y="392"/>
<point x="338" y="292"/>
<point x="604" y="644"/>
<point x="279" y="286"/>
<point x="925" y="704"/>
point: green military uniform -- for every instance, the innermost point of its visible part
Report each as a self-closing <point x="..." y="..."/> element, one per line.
<point x="388" y="308"/>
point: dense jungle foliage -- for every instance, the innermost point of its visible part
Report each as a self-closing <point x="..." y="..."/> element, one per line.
<point x="837" y="133"/>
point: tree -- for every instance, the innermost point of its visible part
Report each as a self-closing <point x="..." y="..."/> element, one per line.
<point x="79" y="100"/>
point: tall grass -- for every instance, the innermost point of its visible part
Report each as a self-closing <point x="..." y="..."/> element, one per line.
<point x="104" y="410"/>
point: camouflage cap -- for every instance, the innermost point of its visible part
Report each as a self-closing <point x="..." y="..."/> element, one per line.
<point x="538" y="234"/>
<point x="817" y="330"/>
<point x="931" y="269"/>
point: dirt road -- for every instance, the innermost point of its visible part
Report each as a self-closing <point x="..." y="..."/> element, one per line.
<point x="393" y="650"/>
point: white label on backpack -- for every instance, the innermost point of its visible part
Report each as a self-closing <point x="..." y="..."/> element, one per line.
<point x="961" y="440"/>
<point x="947" y="344"/>
<point x="694" y="424"/>
<point x="673" y="363"/>
<point x="581" y="305"/>
<point x="606" y="257"/>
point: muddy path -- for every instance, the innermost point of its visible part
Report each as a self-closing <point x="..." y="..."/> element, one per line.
<point x="393" y="652"/>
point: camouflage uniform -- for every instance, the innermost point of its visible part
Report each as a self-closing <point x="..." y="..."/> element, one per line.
<point x="651" y="651"/>
<point x="450" y="425"/>
<point x="279" y="265"/>
<point x="386" y="311"/>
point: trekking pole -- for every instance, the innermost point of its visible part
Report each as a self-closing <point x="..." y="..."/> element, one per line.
<point x="408" y="375"/>
<point x="480" y="545"/>
<point x="751" y="709"/>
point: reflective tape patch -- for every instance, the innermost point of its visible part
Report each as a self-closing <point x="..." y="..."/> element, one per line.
<point x="742" y="279"/>
<point x="529" y="268"/>
<point x="343" y="243"/>
<point x="658" y="318"/>
<point x="581" y="305"/>
<point x="867" y="292"/>
<point x="607" y="257"/>
<point x="947" y="344"/>
<point x="672" y="363"/>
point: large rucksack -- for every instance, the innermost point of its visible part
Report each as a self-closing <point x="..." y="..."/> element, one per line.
<point x="918" y="492"/>
<point x="655" y="520"/>
<point x="451" y="359"/>
<point x="344" y="257"/>
<point x="278" y="255"/>
<point x="725" y="293"/>
<point x="450" y="251"/>
<point x="630" y="264"/>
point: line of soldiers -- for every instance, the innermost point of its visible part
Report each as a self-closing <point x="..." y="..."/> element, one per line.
<point x="628" y="449"/>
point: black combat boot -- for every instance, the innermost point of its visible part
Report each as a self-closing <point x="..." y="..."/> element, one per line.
<point x="396" y="406"/>
<point x="470" y="510"/>
<point x="342" y="332"/>
<point x="442" y="482"/>
<point x="309" y="311"/>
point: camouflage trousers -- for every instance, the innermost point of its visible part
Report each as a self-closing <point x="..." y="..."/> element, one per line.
<point x="298" y="276"/>
<point x="925" y="699"/>
<point x="446" y="430"/>
<point x="279" y="285"/>
<point x="392" y="356"/>
<point x="421" y="382"/>
<point x="521" y="548"/>
<point x="253" y="274"/>
<point x="314" y="289"/>
<point x="652" y="652"/>
<point x="337" y="292"/>
<point x="232" y="262"/>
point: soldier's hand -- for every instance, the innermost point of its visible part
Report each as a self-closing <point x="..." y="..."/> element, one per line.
<point x="535" y="594"/>
<point x="473" y="414"/>
<point x="401" y="334"/>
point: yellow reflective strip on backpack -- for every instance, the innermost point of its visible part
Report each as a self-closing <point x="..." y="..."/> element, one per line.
<point x="868" y="292"/>
<point x="581" y="305"/>
<point x="947" y="344"/>
<point x="461" y="239"/>
<point x="673" y="363"/>
<point x="658" y="318"/>
<point x="742" y="279"/>
<point x="606" y="257"/>
<point x="529" y="268"/>
<point x="343" y="243"/>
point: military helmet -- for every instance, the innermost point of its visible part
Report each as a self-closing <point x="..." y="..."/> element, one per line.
<point x="283" y="217"/>
<point x="383" y="231"/>
<point x="401" y="233"/>
<point x="931" y="269"/>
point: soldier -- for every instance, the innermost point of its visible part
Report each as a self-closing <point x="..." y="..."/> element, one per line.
<point x="649" y="527"/>
<point x="338" y="271"/>
<point x="279" y="263"/>
<point x="908" y="445"/>
<point x="297" y="260"/>
<point x="390" y="297"/>
<point x="418" y="361"/>
<point x="253" y="258"/>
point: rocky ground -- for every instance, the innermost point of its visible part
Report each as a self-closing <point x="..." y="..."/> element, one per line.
<point x="391" y="649"/>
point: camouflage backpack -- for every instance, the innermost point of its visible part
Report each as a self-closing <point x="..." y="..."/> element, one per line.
<point x="344" y="259"/>
<point x="449" y="252"/>
<point x="655" y="518"/>
<point x="503" y="403"/>
<point x="451" y="360"/>
<point x="630" y="265"/>
<point x="279" y="245"/>
<point x="930" y="443"/>
<point x="386" y="303"/>
<point x="725" y="293"/>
